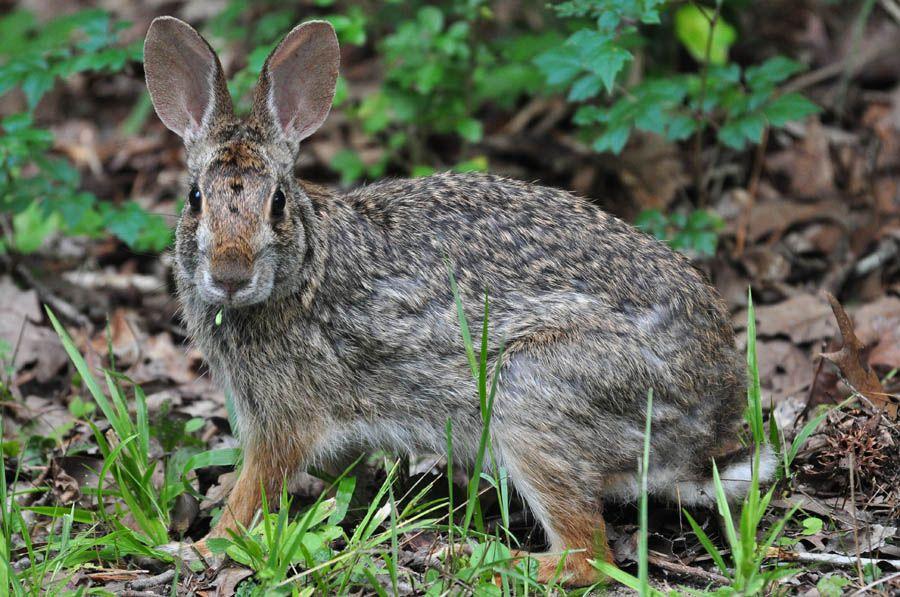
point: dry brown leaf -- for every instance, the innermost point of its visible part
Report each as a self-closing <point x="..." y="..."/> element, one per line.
<point x="878" y="326"/>
<point x="849" y="360"/>
<point x="776" y="216"/>
<point x="65" y="488"/>
<point x="783" y="368"/>
<point x="29" y="342"/>
<point x="802" y="318"/>
<point x="807" y="165"/>
<point x="228" y="578"/>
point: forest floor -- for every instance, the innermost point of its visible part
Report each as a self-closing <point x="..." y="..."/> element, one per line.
<point x="815" y="211"/>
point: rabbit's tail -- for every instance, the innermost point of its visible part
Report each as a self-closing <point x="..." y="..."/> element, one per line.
<point x="735" y="477"/>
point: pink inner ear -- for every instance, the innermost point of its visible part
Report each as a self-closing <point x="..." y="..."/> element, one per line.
<point x="302" y="74"/>
<point x="198" y="73"/>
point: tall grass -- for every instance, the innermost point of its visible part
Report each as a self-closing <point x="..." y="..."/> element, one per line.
<point x="126" y="451"/>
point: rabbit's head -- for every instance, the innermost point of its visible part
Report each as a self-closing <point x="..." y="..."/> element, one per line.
<point x="244" y="232"/>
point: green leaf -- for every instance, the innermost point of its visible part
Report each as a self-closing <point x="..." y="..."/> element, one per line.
<point x="788" y="107"/>
<point x="812" y="525"/>
<point x="693" y="28"/>
<point x="431" y="19"/>
<point x="771" y="72"/>
<point x="478" y="163"/>
<point x="35" y="85"/>
<point x="585" y="88"/>
<point x="350" y="166"/>
<point x="736" y="133"/>
<point x="470" y="129"/>
<point x="31" y="227"/>
<point x="680" y="128"/>
<point x="832" y="585"/>
<point x="614" y="139"/>
<point x="559" y="65"/>
<point x="195" y="424"/>
<point x="421" y="170"/>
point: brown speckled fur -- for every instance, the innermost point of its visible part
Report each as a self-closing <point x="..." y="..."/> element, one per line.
<point x="357" y="344"/>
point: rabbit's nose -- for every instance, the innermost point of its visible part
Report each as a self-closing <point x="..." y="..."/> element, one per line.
<point x="230" y="272"/>
<point x="231" y="283"/>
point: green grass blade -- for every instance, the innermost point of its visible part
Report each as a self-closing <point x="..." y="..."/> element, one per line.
<point x="754" y="391"/>
<point x="643" y="565"/>
<point x="707" y="544"/>
<point x="463" y="325"/>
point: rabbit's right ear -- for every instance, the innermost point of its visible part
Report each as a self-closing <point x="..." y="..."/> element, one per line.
<point x="184" y="77"/>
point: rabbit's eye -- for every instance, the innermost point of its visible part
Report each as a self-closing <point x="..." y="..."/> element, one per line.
<point x="278" y="201"/>
<point x="195" y="199"/>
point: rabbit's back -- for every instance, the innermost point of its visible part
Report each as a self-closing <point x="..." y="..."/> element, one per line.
<point x="545" y="258"/>
<point x="572" y="290"/>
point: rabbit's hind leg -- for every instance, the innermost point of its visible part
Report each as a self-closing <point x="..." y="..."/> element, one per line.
<point x="574" y="526"/>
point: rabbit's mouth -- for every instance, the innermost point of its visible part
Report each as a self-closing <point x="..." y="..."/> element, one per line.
<point x="254" y="290"/>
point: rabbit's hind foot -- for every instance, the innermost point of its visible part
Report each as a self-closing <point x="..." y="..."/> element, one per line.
<point x="574" y="544"/>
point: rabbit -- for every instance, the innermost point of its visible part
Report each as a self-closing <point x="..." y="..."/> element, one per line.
<point x="338" y="328"/>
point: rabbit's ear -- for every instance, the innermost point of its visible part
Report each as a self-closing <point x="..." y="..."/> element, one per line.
<point x="296" y="86"/>
<point x="185" y="78"/>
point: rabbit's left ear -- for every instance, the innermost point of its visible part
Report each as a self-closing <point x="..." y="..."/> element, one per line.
<point x="297" y="82"/>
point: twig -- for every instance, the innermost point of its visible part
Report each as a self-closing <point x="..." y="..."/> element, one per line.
<point x="851" y="64"/>
<point x="827" y="558"/>
<point x="698" y="137"/>
<point x="875" y="583"/>
<point x="891" y="7"/>
<point x="859" y="569"/>
<point x="153" y="581"/>
<point x="686" y="570"/>
<point x="46" y="295"/>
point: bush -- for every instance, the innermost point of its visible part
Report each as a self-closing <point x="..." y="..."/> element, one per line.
<point x="737" y="103"/>
<point x="441" y="69"/>
<point x="41" y="190"/>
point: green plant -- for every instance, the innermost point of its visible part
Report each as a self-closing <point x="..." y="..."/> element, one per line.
<point x="696" y="232"/>
<point x="747" y="574"/>
<point x="40" y="190"/>
<point x="287" y="554"/>
<point x="439" y="71"/>
<point x="126" y="450"/>
<point x="737" y="103"/>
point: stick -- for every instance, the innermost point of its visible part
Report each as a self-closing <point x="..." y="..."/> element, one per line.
<point x="873" y="584"/>
<point x="153" y="581"/>
<point x="827" y="558"/>
<point x="686" y="570"/>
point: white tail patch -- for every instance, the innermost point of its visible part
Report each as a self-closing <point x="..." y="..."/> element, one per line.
<point x="735" y="480"/>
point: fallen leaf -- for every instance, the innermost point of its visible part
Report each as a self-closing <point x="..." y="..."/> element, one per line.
<point x="878" y="327"/>
<point x="229" y="578"/>
<point x="784" y="369"/>
<point x="30" y="343"/>
<point x="778" y="215"/>
<point x="852" y="365"/>
<point x="802" y="318"/>
<point x="652" y="169"/>
<point x="65" y="488"/>
<point x="807" y="165"/>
